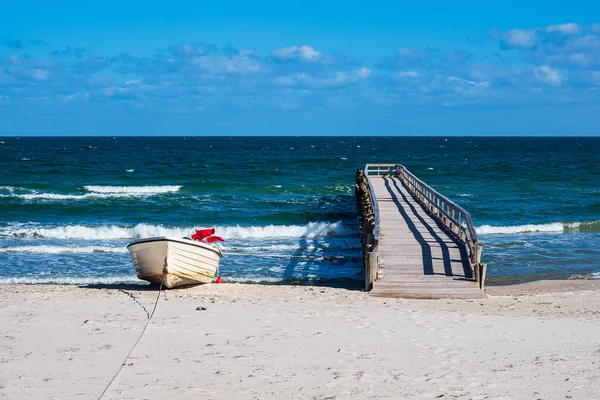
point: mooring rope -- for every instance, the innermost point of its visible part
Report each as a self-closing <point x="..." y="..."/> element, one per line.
<point x="149" y="317"/>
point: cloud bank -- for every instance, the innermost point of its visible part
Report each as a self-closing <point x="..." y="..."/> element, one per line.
<point x="556" y="64"/>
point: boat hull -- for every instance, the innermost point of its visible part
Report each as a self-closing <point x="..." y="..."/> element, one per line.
<point x="174" y="262"/>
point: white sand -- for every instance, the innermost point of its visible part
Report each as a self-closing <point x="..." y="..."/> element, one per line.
<point x="274" y="342"/>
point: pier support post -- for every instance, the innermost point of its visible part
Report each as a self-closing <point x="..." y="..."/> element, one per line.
<point x="482" y="271"/>
<point x="366" y="208"/>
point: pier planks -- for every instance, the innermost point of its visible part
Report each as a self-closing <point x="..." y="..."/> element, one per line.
<point x="417" y="259"/>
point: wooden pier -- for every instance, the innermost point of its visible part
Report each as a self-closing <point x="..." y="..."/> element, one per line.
<point x="416" y="242"/>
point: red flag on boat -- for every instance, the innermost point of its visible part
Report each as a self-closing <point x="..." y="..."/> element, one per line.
<point x="206" y="236"/>
<point x="203" y="233"/>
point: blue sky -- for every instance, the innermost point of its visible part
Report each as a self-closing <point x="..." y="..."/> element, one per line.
<point x="300" y="68"/>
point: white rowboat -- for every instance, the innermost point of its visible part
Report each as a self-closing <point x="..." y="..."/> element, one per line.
<point x="173" y="261"/>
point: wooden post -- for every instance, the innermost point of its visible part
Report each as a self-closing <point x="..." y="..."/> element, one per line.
<point x="482" y="272"/>
<point x="475" y="257"/>
<point x="367" y="263"/>
<point x="477" y="253"/>
<point x="372" y="270"/>
<point x="367" y="224"/>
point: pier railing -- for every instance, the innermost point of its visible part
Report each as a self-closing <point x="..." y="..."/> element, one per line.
<point x="453" y="218"/>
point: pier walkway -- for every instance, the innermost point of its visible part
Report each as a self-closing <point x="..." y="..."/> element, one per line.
<point x="416" y="242"/>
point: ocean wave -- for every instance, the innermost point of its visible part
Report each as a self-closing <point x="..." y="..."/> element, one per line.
<point x="586" y="226"/>
<point x="53" y="196"/>
<point x="94" y="192"/>
<point x="243" y="248"/>
<point x="591" y="276"/>
<point x="308" y="231"/>
<point x="88" y="280"/>
<point x="133" y="190"/>
<point x="43" y="249"/>
<point x="340" y="188"/>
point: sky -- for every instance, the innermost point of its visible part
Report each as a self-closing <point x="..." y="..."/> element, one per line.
<point x="292" y="67"/>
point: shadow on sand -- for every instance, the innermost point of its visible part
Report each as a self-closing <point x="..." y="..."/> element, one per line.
<point x="338" y="283"/>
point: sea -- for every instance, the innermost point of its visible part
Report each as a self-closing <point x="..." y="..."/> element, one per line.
<point x="285" y="205"/>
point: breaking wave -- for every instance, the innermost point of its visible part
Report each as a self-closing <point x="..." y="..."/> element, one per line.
<point x="133" y="190"/>
<point x="587" y="226"/>
<point x="101" y="192"/>
<point x="309" y="231"/>
<point x="108" y="280"/>
<point x="62" y="250"/>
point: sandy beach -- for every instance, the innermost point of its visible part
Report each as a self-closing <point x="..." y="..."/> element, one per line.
<point x="232" y="341"/>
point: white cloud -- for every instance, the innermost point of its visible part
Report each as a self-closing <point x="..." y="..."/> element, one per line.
<point x="39" y="74"/>
<point x="79" y="95"/>
<point x="362" y="73"/>
<point x="548" y="75"/>
<point x="566" y="29"/>
<point x="519" y="38"/>
<point x="242" y="65"/>
<point x="580" y="59"/>
<point x="115" y="91"/>
<point x="480" y="84"/>
<point x="319" y="82"/>
<point x="299" y="53"/>
<point x="228" y="65"/>
<point x="567" y="46"/>
<point x="408" y="74"/>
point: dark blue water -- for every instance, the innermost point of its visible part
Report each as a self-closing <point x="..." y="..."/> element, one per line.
<point x="69" y="206"/>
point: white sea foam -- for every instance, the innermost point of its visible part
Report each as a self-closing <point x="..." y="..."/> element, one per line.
<point x="530" y="228"/>
<point x="308" y="231"/>
<point x="111" y="280"/>
<point x="71" y="232"/>
<point x="94" y="192"/>
<point x="129" y="170"/>
<point x="43" y="249"/>
<point x="133" y="190"/>
<point x="593" y="275"/>
<point x="244" y="248"/>
<point x="51" y="196"/>
<point x="341" y="188"/>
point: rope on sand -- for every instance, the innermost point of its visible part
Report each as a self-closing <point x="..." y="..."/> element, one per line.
<point x="149" y="317"/>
